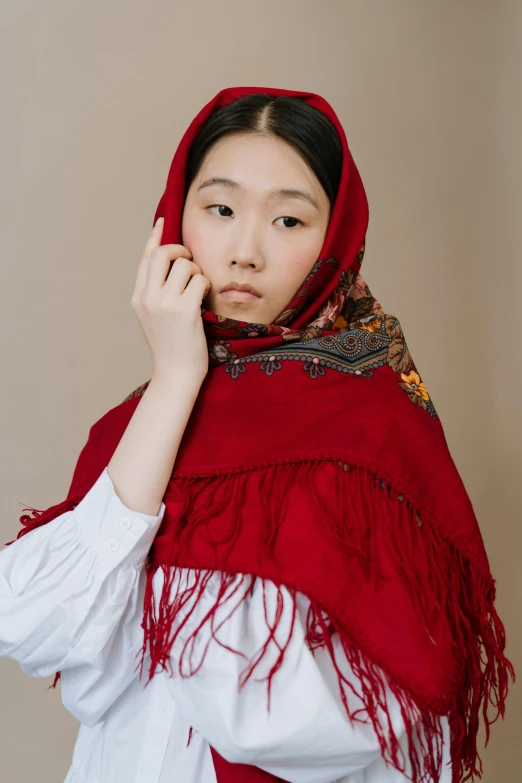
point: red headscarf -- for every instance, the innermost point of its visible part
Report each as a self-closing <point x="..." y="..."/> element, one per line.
<point x="314" y="458"/>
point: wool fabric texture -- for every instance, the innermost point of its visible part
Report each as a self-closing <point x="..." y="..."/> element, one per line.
<point x="314" y="458"/>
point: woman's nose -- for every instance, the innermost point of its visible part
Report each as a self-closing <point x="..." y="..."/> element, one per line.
<point x="246" y="242"/>
<point x="244" y="262"/>
<point x="248" y="255"/>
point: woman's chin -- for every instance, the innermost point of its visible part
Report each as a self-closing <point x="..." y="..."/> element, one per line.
<point x="238" y="311"/>
<point x="237" y="314"/>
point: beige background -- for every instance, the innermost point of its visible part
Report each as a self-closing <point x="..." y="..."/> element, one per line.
<point x="97" y="97"/>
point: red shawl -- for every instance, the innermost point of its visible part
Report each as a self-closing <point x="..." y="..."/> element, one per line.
<point x="314" y="458"/>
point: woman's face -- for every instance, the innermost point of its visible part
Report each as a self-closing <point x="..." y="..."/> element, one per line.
<point x="254" y="214"/>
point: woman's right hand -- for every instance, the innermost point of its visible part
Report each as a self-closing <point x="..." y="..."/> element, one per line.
<point x="168" y="306"/>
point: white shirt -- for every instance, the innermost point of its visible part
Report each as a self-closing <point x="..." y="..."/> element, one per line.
<point x="71" y="600"/>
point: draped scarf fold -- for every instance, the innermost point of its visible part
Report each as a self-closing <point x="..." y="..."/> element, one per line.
<point x="314" y="458"/>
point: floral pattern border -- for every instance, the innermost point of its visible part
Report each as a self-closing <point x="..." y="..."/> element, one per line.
<point x="365" y="345"/>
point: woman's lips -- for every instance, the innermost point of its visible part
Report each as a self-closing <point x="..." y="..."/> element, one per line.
<point x="238" y="296"/>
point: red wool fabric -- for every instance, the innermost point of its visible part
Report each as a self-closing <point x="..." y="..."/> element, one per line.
<point x="315" y="458"/>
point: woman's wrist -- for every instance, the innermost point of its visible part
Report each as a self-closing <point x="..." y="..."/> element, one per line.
<point x="180" y="380"/>
<point x="141" y="465"/>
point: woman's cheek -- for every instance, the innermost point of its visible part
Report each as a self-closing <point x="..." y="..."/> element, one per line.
<point x="301" y="264"/>
<point x="200" y="245"/>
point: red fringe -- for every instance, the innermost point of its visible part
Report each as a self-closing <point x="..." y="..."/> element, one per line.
<point x="40" y="518"/>
<point x="438" y="577"/>
<point x="456" y="589"/>
<point x="189" y="739"/>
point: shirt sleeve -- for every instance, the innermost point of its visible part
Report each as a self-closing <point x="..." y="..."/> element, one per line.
<point x="307" y="735"/>
<point x="72" y="590"/>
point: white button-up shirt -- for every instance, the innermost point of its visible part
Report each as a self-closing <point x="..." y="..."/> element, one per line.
<point x="71" y="600"/>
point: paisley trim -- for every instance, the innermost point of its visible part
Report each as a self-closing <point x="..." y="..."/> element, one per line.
<point x="372" y="342"/>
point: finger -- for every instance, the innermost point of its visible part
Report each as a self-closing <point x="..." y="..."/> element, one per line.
<point x="162" y="264"/>
<point x="153" y="242"/>
<point x="183" y="270"/>
<point x="154" y="239"/>
<point x="197" y="288"/>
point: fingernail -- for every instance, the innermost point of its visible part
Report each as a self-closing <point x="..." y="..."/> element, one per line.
<point x="158" y="221"/>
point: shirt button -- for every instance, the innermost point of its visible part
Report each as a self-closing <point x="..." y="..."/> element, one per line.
<point x="112" y="544"/>
<point x="126" y="522"/>
<point x="162" y="706"/>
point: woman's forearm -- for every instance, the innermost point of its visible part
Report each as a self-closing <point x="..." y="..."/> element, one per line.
<point x="142" y="464"/>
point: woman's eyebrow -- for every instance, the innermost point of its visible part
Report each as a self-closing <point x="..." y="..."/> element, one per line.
<point x="275" y="193"/>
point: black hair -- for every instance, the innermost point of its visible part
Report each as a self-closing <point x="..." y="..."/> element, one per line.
<point x="291" y="118"/>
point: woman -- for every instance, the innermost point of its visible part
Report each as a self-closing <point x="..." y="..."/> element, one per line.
<point x="316" y="603"/>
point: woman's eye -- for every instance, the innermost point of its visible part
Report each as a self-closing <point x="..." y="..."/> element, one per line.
<point x="291" y="218"/>
<point x="220" y="206"/>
